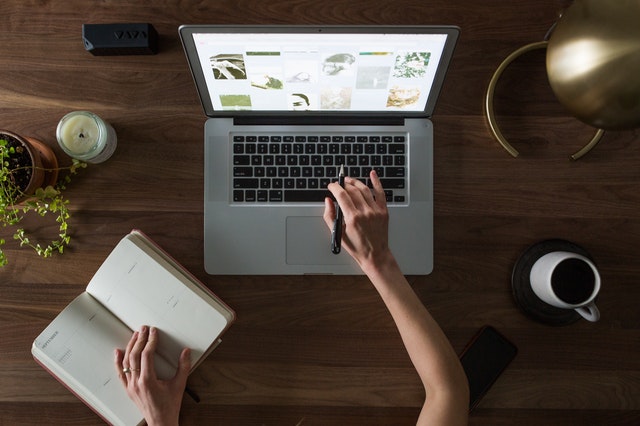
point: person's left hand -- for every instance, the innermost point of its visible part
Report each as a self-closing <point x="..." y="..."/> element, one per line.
<point x="159" y="400"/>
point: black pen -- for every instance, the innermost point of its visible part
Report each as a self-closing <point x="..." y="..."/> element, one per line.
<point x="336" y="232"/>
<point x="192" y="394"/>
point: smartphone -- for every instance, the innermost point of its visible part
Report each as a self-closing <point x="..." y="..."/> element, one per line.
<point x="485" y="357"/>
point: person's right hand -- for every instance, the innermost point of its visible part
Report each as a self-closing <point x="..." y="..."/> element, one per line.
<point x="366" y="220"/>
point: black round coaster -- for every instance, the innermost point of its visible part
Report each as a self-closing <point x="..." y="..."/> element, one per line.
<point x="523" y="294"/>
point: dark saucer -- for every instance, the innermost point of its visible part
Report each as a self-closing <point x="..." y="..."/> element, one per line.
<point x="523" y="294"/>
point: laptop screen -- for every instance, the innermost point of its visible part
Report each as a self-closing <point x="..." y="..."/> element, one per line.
<point x="330" y="69"/>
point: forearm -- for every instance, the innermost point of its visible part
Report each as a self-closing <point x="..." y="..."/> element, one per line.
<point x="366" y="221"/>
<point x="430" y="351"/>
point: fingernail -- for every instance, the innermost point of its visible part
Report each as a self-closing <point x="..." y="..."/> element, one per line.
<point x="143" y="329"/>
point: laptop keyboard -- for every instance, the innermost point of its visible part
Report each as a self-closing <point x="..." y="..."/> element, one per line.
<point x="295" y="168"/>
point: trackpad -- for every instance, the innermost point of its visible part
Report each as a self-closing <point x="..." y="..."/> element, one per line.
<point x="309" y="243"/>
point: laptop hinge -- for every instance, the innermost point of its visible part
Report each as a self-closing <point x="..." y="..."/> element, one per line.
<point x="318" y="120"/>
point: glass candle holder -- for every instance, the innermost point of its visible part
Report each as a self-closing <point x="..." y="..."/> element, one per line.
<point x="85" y="136"/>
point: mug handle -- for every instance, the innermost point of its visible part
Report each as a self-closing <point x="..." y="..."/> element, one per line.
<point x="589" y="312"/>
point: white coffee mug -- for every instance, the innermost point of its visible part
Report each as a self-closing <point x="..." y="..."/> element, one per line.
<point x="567" y="280"/>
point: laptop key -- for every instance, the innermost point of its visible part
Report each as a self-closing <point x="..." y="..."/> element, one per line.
<point x="245" y="183"/>
<point x="392" y="183"/>
<point x="275" y="195"/>
<point x="241" y="160"/>
<point x="396" y="149"/>
<point x="242" y="171"/>
<point x="317" y="195"/>
<point x="395" y="172"/>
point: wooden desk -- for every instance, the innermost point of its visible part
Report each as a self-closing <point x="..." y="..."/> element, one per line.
<point x="315" y="350"/>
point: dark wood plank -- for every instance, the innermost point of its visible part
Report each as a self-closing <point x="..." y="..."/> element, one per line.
<point x="323" y="350"/>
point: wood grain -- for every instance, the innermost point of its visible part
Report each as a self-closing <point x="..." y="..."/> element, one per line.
<point x="323" y="350"/>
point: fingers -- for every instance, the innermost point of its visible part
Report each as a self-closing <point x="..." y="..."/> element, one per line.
<point x="184" y="367"/>
<point x="136" y="372"/>
<point x="122" y="359"/>
<point x="184" y="364"/>
<point x="135" y="354"/>
<point x="129" y="364"/>
<point x="146" y="361"/>
<point x="119" y="355"/>
<point x="329" y="212"/>
<point x="354" y="196"/>
<point x="128" y="349"/>
<point x="378" y="190"/>
<point x="341" y="195"/>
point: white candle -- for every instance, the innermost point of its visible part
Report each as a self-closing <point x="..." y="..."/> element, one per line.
<point x="85" y="136"/>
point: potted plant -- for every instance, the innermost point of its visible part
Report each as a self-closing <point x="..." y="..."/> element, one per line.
<point x="29" y="183"/>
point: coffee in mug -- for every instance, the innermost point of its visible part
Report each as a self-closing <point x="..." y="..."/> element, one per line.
<point x="567" y="280"/>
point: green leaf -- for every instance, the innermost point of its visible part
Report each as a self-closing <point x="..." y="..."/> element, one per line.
<point x="44" y="201"/>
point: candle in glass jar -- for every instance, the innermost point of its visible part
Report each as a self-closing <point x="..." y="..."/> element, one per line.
<point x="87" y="137"/>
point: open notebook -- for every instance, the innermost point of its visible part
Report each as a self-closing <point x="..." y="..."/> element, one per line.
<point x="138" y="284"/>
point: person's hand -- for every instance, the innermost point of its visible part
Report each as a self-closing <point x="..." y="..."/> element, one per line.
<point x="159" y="400"/>
<point x="366" y="220"/>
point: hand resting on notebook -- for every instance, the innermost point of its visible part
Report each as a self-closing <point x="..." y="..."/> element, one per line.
<point x="158" y="400"/>
<point x="365" y="237"/>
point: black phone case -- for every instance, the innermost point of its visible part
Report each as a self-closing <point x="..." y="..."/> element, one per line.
<point x="484" y="359"/>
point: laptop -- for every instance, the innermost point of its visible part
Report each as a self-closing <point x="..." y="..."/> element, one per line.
<point x="286" y="107"/>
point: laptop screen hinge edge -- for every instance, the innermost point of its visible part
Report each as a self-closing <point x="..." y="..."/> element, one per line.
<point x="318" y="121"/>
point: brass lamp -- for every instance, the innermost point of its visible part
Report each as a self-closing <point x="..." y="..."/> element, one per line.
<point x="593" y="67"/>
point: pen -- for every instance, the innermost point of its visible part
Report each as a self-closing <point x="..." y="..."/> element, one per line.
<point x="336" y="232"/>
<point x="192" y="394"/>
